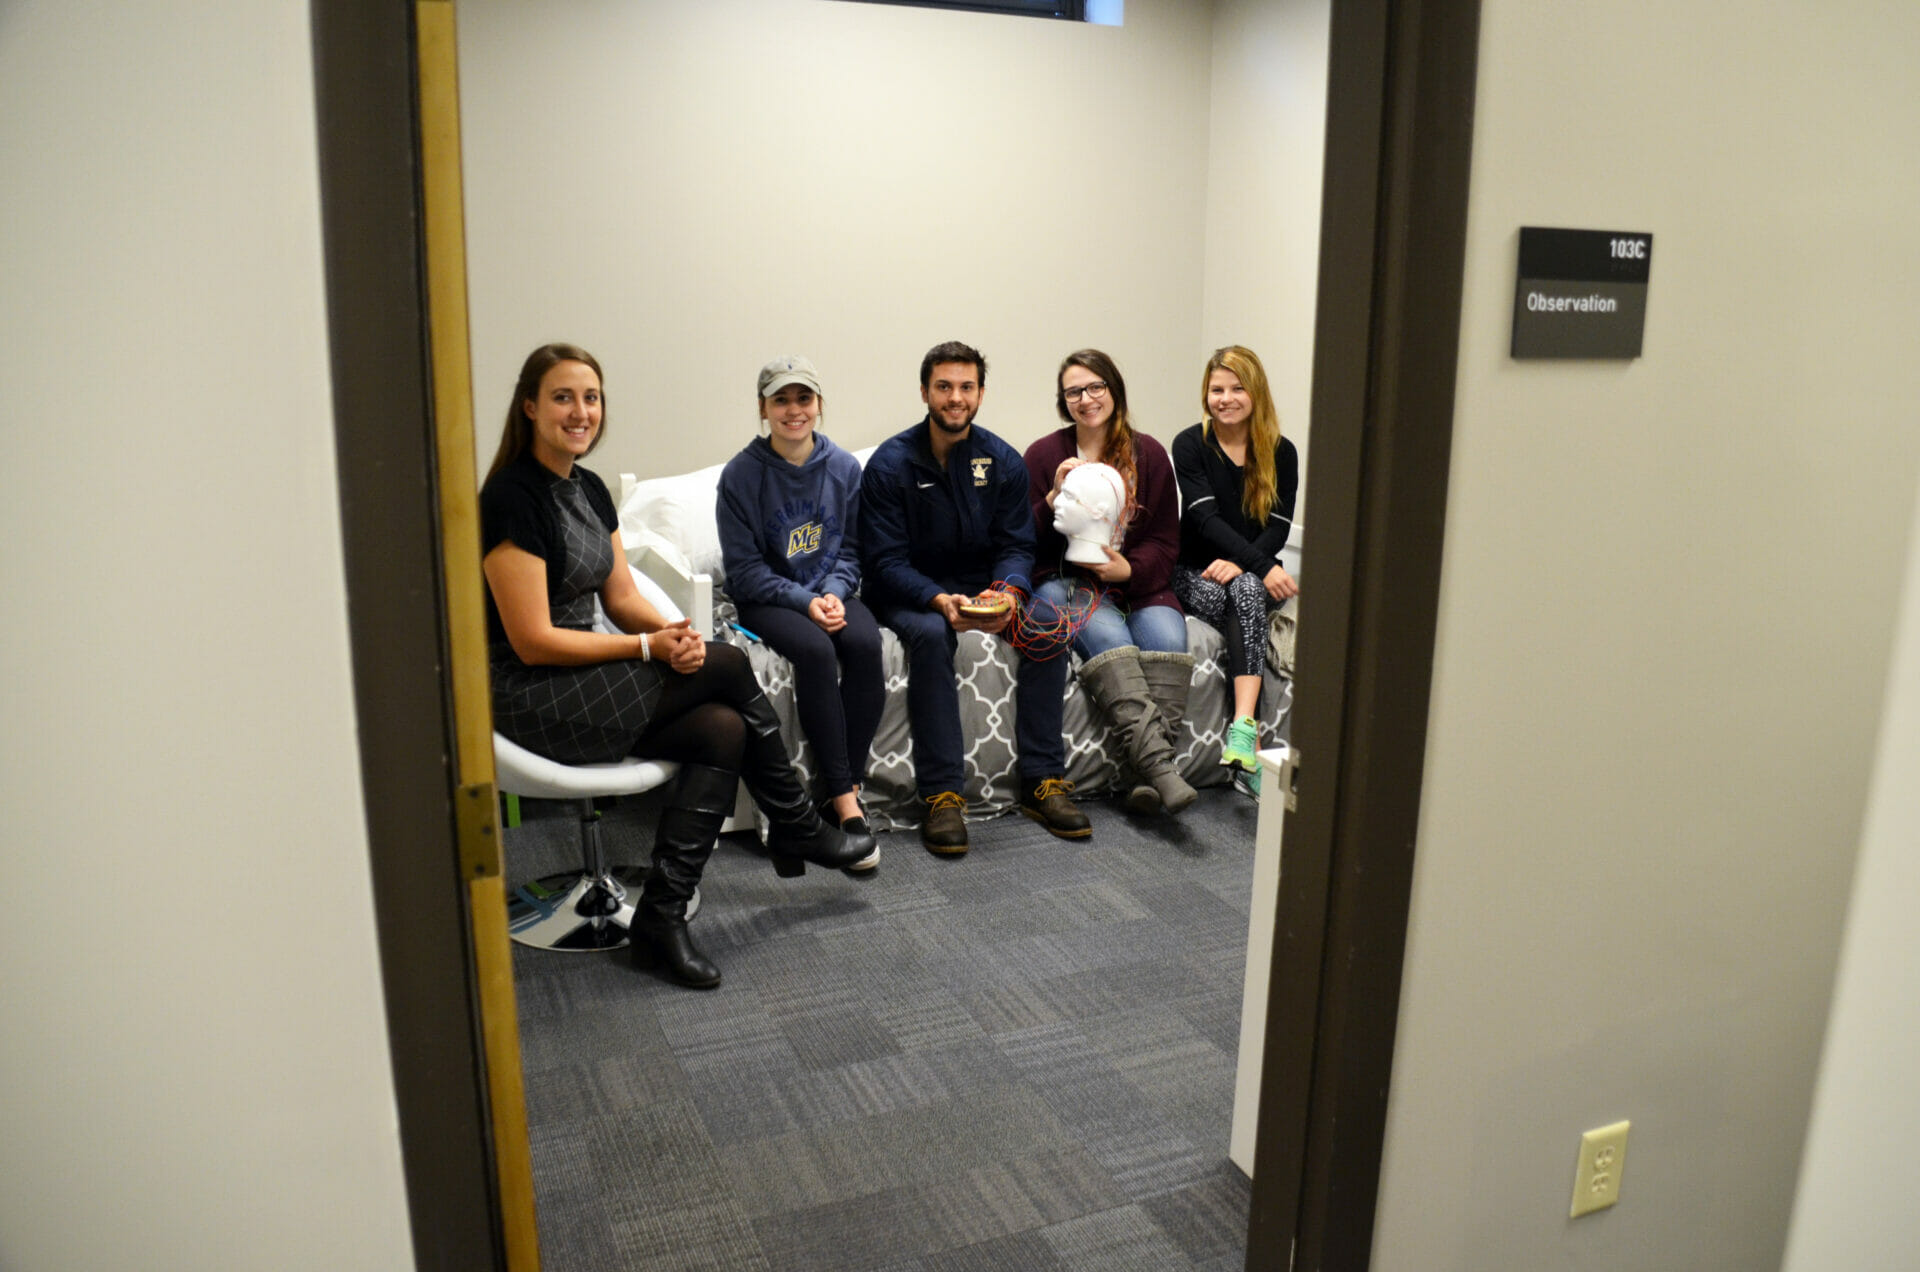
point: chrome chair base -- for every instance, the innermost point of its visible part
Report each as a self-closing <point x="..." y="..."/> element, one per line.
<point x="578" y="913"/>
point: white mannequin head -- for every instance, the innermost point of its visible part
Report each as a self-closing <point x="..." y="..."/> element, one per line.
<point x="1087" y="511"/>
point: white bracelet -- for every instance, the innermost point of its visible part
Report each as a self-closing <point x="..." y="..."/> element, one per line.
<point x="646" y="646"/>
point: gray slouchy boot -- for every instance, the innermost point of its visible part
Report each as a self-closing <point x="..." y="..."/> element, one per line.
<point x="1118" y="686"/>
<point x="1169" y="678"/>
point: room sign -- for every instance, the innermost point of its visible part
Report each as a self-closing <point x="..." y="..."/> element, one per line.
<point x="1580" y="293"/>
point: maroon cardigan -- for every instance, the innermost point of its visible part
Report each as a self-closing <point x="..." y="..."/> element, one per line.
<point x="1152" y="541"/>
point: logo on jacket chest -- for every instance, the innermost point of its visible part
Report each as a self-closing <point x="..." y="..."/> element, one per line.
<point x="982" y="465"/>
<point x="802" y="540"/>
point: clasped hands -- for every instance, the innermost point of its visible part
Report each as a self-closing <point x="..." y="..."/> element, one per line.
<point x="1279" y="584"/>
<point x="828" y="612"/>
<point x="678" y="646"/>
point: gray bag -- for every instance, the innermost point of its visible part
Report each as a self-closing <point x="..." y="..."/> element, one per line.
<point x="1281" y="629"/>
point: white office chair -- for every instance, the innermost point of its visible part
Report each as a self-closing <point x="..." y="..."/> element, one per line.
<point x="592" y="907"/>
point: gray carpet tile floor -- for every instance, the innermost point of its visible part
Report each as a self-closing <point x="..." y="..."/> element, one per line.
<point x="1020" y="1059"/>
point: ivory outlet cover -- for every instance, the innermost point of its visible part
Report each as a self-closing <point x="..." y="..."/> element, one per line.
<point x="1596" y="1181"/>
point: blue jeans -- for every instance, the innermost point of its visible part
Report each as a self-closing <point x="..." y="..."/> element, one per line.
<point x="1110" y="626"/>
<point x="933" y="706"/>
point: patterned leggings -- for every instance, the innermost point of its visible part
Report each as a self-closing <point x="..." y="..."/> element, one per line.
<point x="1245" y="631"/>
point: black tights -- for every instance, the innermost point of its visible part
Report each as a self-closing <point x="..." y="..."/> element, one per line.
<point x="697" y="719"/>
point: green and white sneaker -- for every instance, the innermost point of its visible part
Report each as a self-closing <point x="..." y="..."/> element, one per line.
<point x="1243" y="739"/>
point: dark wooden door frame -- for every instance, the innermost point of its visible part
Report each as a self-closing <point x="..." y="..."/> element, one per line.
<point x="1386" y="343"/>
<point x="1399" y="125"/>
<point x="365" y="72"/>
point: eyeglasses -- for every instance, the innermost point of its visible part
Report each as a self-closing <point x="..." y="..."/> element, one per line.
<point x="1095" y="390"/>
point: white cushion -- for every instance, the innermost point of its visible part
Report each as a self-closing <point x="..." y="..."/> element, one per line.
<point x="680" y="510"/>
<point x="636" y="536"/>
<point x="1290" y="550"/>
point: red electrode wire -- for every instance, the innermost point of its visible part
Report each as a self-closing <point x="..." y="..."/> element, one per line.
<point x="1043" y="638"/>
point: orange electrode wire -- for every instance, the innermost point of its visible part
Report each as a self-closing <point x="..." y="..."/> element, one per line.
<point x="1042" y="636"/>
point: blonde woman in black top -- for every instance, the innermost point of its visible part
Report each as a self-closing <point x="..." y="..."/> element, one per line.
<point x="1238" y="479"/>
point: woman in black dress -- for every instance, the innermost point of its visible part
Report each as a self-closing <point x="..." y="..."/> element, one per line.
<point x="655" y="689"/>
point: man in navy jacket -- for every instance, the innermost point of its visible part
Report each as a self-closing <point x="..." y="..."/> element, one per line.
<point x="943" y="517"/>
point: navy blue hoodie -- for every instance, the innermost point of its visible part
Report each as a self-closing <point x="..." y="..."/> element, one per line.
<point x="788" y="532"/>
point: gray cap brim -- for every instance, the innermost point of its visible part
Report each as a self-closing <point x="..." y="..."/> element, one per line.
<point x="781" y="372"/>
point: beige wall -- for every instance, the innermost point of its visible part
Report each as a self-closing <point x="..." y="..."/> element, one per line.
<point x="1667" y="602"/>
<point x="1265" y="154"/>
<point x="1854" y="1209"/>
<point x="193" y="1059"/>
<point x="689" y="189"/>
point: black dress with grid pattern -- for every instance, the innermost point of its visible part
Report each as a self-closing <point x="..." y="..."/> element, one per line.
<point x="576" y="715"/>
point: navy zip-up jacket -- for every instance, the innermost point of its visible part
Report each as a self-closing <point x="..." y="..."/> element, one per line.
<point x="788" y="532"/>
<point x="925" y="529"/>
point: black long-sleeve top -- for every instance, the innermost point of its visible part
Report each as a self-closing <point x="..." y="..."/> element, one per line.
<point x="1213" y="523"/>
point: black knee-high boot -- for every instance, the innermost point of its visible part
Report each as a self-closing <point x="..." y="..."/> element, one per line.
<point x="702" y="797"/>
<point x="796" y="833"/>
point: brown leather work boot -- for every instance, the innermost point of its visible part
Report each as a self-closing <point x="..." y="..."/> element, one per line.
<point x="944" y="832"/>
<point x="1047" y="803"/>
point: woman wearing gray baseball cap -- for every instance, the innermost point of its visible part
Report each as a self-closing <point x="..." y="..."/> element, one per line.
<point x="788" y="508"/>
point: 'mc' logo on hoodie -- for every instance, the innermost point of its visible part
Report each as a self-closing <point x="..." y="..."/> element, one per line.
<point x="802" y="540"/>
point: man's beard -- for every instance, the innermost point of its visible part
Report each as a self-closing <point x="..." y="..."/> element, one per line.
<point x="940" y="422"/>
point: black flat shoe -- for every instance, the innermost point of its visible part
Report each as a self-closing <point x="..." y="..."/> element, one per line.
<point x="822" y="843"/>
<point x="860" y="835"/>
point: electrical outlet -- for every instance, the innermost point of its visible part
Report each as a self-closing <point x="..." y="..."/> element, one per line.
<point x="1596" y="1181"/>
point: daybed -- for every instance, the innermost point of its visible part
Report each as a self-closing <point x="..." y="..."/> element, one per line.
<point x="667" y="524"/>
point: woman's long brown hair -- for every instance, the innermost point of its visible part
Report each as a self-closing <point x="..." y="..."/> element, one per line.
<point x="1119" y="451"/>
<point x="517" y="434"/>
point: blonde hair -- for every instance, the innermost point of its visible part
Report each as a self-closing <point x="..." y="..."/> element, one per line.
<point x="1263" y="432"/>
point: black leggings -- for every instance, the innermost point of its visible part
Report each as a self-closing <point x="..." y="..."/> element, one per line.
<point x="697" y="720"/>
<point x="1237" y="611"/>
<point x="839" y="685"/>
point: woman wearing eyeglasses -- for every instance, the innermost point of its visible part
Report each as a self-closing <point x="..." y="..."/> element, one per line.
<point x="1134" y="643"/>
<point x="1238" y="477"/>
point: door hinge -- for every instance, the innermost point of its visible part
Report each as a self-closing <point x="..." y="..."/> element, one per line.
<point x="1290" y="778"/>
<point x="478" y="824"/>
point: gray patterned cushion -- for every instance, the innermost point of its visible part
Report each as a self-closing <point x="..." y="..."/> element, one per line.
<point x="984" y="667"/>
